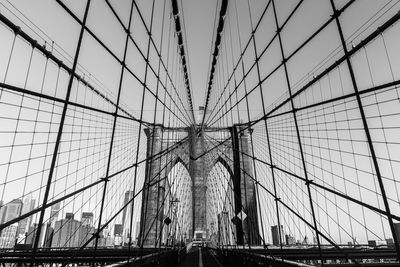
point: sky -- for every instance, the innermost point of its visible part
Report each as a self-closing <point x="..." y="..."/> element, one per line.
<point x="199" y="23"/>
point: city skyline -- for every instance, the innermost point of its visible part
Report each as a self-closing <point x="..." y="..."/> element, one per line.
<point x="68" y="231"/>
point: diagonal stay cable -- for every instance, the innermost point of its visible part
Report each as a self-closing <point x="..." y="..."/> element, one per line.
<point x="71" y="13"/>
<point x="222" y="13"/>
<point x="49" y="204"/>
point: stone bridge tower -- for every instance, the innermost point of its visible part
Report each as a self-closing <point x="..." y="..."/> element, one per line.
<point x="195" y="154"/>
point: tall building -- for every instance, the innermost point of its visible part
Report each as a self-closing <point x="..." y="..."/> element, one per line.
<point x="276" y="239"/>
<point x="118" y="234"/>
<point x="137" y="231"/>
<point x="87" y="218"/>
<point x="49" y="236"/>
<point x="118" y="229"/>
<point x="32" y="232"/>
<point x="66" y="232"/>
<point x="8" y="236"/>
<point x="126" y="217"/>
<point x="28" y="205"/>
<point x="55" y="210"/>
<point x="105" y="237"/>
<point x="85" y="233"/>
<point x="10" y="210"/>
<point x="126" y="214"/>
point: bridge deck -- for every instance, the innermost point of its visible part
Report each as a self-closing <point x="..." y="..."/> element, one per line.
<point x="199" y="257"/>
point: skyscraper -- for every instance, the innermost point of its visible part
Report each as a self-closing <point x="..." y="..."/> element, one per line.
<point x="86" y="230"/>
<point x="66" y="232"/>
<point x="10" y="210"/>
<point x="126" y="217"/>
<point x="118" y="234"/>
<point x="137" y="230"/>
<point x="106" y="238"/>
<point x="8" y="236"/>
<point x="118" y="229"/>
<point x="49" y="235"/>
<point x="127" y="211"/>
<point x="32" y="232"/>
<point x="29" y="204"/>
<point x="276" y="239"/>
<point x="55" y="209"/>
<point x="87" y="218"/>
<point x="85" y="233"/>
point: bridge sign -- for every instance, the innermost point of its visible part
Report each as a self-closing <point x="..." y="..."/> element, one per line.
<point x="242" y="215"/>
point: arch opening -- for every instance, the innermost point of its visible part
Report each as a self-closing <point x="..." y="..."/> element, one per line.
<point x="177" y="204"/>
<point x="220" y="203"/>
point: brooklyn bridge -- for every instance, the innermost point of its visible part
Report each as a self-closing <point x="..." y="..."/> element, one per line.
<point x="200" y="133"/>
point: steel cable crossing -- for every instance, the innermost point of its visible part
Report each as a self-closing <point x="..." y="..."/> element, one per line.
<point x="311" y="142"/>
<point x="302" y="107"/>
<point x="105" y="131"/>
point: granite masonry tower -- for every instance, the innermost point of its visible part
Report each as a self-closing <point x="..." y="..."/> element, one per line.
<point x="199" y="161"/>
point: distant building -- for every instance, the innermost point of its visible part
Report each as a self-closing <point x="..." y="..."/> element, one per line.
<point x="276" y="238"/>
<point x="290" y="240"/>
<point x="106" y="238"/>
<point x="8" y="236"/>
<point x="127" y="211"/>
<point x="32" y="232"/>
<point x="118" y="229"/>
<point x="85" y="233"/>
<point x="69" y="216"/>
<point x="118" y="234"/>
<point x="126" y="216"/>
<point x="66" y="232"/>
<point x="118" y="240"/>
<point x="55" y="210"/>
<point x="24" y="224"/>
<point x="49" y="236"/>
<point x="137" y="231"/>
<point x="87" y="218"/>
<point x="10" y="210"/>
